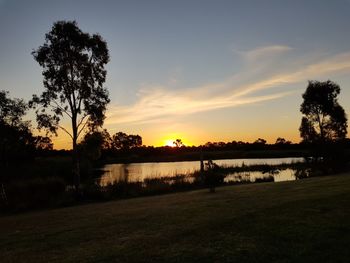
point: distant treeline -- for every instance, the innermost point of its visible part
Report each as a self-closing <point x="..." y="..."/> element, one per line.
<point x="121" y="147"/>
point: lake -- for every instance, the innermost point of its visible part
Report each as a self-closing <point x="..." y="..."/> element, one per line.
<point x="136" y="172"/>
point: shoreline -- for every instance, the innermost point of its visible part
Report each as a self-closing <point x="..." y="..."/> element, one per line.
<point x="214" y="155"/>
<point x="185" y="157"/>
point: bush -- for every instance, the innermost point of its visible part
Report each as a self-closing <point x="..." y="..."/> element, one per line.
<point x="213" y="176"/>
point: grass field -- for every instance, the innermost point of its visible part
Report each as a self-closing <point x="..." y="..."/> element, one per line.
<point x="301" y="221"/>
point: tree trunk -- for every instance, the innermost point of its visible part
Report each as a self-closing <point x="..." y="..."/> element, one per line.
<point x="75" y="156"/>
<point x="201" y="161"/>
<point x="76" y="166"/>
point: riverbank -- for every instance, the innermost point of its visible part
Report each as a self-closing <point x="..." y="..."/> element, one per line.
<point x="206" y="155"/>
<point x="300" y="221"/>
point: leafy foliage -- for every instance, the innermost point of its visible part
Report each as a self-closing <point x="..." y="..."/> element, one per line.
<point x="178" y="143"/>
<point x="94" y="143"/>
<point x="212" y="176"/>
<point x="12" y="110"/>
<point x="324" y="119"/>
<point x="282" y="141"/>
<point x="74" y="74"/>
<point x="123" y="141"/>
<point x="17" y="143"/>
<point x="15" y="136"/>
<point x="260" y="141"/>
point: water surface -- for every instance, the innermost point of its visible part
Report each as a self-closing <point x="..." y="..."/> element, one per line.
<point x="134" y="172"/>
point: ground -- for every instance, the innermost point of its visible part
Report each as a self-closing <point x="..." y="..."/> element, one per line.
<point x="300" y="221"/>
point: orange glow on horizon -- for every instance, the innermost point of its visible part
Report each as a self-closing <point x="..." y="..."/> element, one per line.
<point x="62" y="141"/>
<point x="167" y="139"/>
<point x="197" y="141"/>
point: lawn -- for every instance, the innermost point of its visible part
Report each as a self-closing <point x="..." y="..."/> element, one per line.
<point x="301" y="221"/>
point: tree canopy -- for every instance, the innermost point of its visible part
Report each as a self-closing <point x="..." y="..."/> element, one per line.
<point x="178" y="143"/>
<point x="12" y="110"/>
<point x="94" y="143"/>
<point x="17" y="142"/>
<point x="123" y="141"/>
<point x="282" y="141"/>
<point x="260" y="141"/>
<point x="324" y="119"/>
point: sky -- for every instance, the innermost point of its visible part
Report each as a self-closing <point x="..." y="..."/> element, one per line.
<point x="218" y="70"/>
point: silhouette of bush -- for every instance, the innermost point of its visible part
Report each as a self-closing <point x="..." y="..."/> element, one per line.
<point x="213" y="177"/>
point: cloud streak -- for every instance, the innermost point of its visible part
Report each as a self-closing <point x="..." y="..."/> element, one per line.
<point x="258" y="81"/>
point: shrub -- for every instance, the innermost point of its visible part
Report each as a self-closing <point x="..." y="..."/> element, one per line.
<point x="213" y="176"/>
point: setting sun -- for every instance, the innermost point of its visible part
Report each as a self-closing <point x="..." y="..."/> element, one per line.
<point x="165" y="141"/>
<point x="169" y="143"/>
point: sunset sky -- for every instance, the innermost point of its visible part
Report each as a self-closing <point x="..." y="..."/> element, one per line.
<point x="200" y="70"/>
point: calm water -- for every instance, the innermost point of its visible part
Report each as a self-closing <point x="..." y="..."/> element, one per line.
<point x="139" y="171"/>
<point x="282" y="175"/>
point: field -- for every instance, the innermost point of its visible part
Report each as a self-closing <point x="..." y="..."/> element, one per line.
<point x="300" y="221"/>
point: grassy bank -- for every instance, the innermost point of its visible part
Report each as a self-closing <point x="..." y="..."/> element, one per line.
<point x="300" y="221"/>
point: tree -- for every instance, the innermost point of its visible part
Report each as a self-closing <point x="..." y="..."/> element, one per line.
<point x="212" y="176"/>
<point x="123" y="141"/>
<point x="94" y="143"/>
<point x="178" y="143"/>
<point x="12" y="110"/>
<point x="134" y="141"/>
<point x="43" y="143"/>
<point x="282" y="141"/>
<point x="17" y="142"/>
<point x="260" y="141"/>
<point x="324" y="119"/>
<point x="74" y="72"/>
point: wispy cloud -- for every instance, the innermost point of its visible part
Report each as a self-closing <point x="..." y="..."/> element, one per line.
<point x="262" y="71"/>
<point x="264" y="52"/>
<point x="160" y="103"/>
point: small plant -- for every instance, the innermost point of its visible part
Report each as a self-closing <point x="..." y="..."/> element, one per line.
<point x="212" y="176"/>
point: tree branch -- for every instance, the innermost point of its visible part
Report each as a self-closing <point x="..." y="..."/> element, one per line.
<point x="81" y="120"/>
<point x="79" y="103"/>
<point x="66" y="131"/>
<point x="82" y="128"/>
<point x="62" y="109"/>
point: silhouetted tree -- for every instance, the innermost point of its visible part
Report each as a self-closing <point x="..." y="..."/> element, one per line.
<point x="135" y="141"/>
<point x="17" y="143"/>
<point x="324" y="119"/>
<point x="94" y="143"/>
<point x="212" y="176"/>
<point x="43" y="143"/>
<point x="123" y="141"/>
<point x="260" y="141"/>
<point x="178" y="143"/>
<point x="74" y="73"/>
<point x="208" y="145"/>
<point x="282" y="141"/>
<point x="12" y="110"/>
